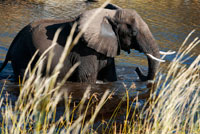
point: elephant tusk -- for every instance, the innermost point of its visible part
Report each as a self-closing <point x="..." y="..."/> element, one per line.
<point x="150" y="81"/>
<point x="99" y="82"/>
<point x="167" y="53"/>
<point x="154" y="58"/>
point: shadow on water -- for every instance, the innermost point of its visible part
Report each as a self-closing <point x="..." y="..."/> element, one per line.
<point x="169" y="21"/>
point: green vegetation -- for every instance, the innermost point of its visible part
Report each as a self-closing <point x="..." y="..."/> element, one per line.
<point x="176" y="109"/>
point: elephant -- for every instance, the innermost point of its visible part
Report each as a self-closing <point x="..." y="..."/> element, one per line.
<point x="113" y="30"/>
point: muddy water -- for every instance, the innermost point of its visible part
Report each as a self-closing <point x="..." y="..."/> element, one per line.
<point x="169" y="21"/>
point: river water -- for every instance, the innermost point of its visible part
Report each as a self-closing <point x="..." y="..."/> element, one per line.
<point x="169" y="21"/>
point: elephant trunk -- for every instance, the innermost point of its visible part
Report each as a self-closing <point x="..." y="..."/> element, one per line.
<point x="151" y="50"/>
<point x="152" y="67"/>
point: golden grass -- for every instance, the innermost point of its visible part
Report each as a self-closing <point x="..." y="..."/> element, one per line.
<point x="174" y="110"/>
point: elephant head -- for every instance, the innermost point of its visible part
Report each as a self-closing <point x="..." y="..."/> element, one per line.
<point x="121" y="29"/>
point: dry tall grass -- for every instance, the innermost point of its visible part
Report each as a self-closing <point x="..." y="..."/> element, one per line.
<point x="176" y="109"/>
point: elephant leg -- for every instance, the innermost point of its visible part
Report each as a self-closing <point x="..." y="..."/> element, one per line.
<point x="82" y="74"/>
<point x="19" y="64"/>
<point x="108" y="73"/>
<point x="20" y="56"/>
<point x="86" y="71"/>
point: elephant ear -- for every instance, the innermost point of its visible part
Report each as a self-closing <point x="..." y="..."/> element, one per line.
<point x="100" y="35"/>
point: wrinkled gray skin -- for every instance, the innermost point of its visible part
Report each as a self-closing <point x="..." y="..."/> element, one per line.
<point x="113" y="30"/>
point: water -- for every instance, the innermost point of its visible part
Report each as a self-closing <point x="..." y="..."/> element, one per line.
<point x="169" y="21"/>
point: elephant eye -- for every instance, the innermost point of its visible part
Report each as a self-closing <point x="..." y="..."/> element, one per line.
<point x="132" y="33"/>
